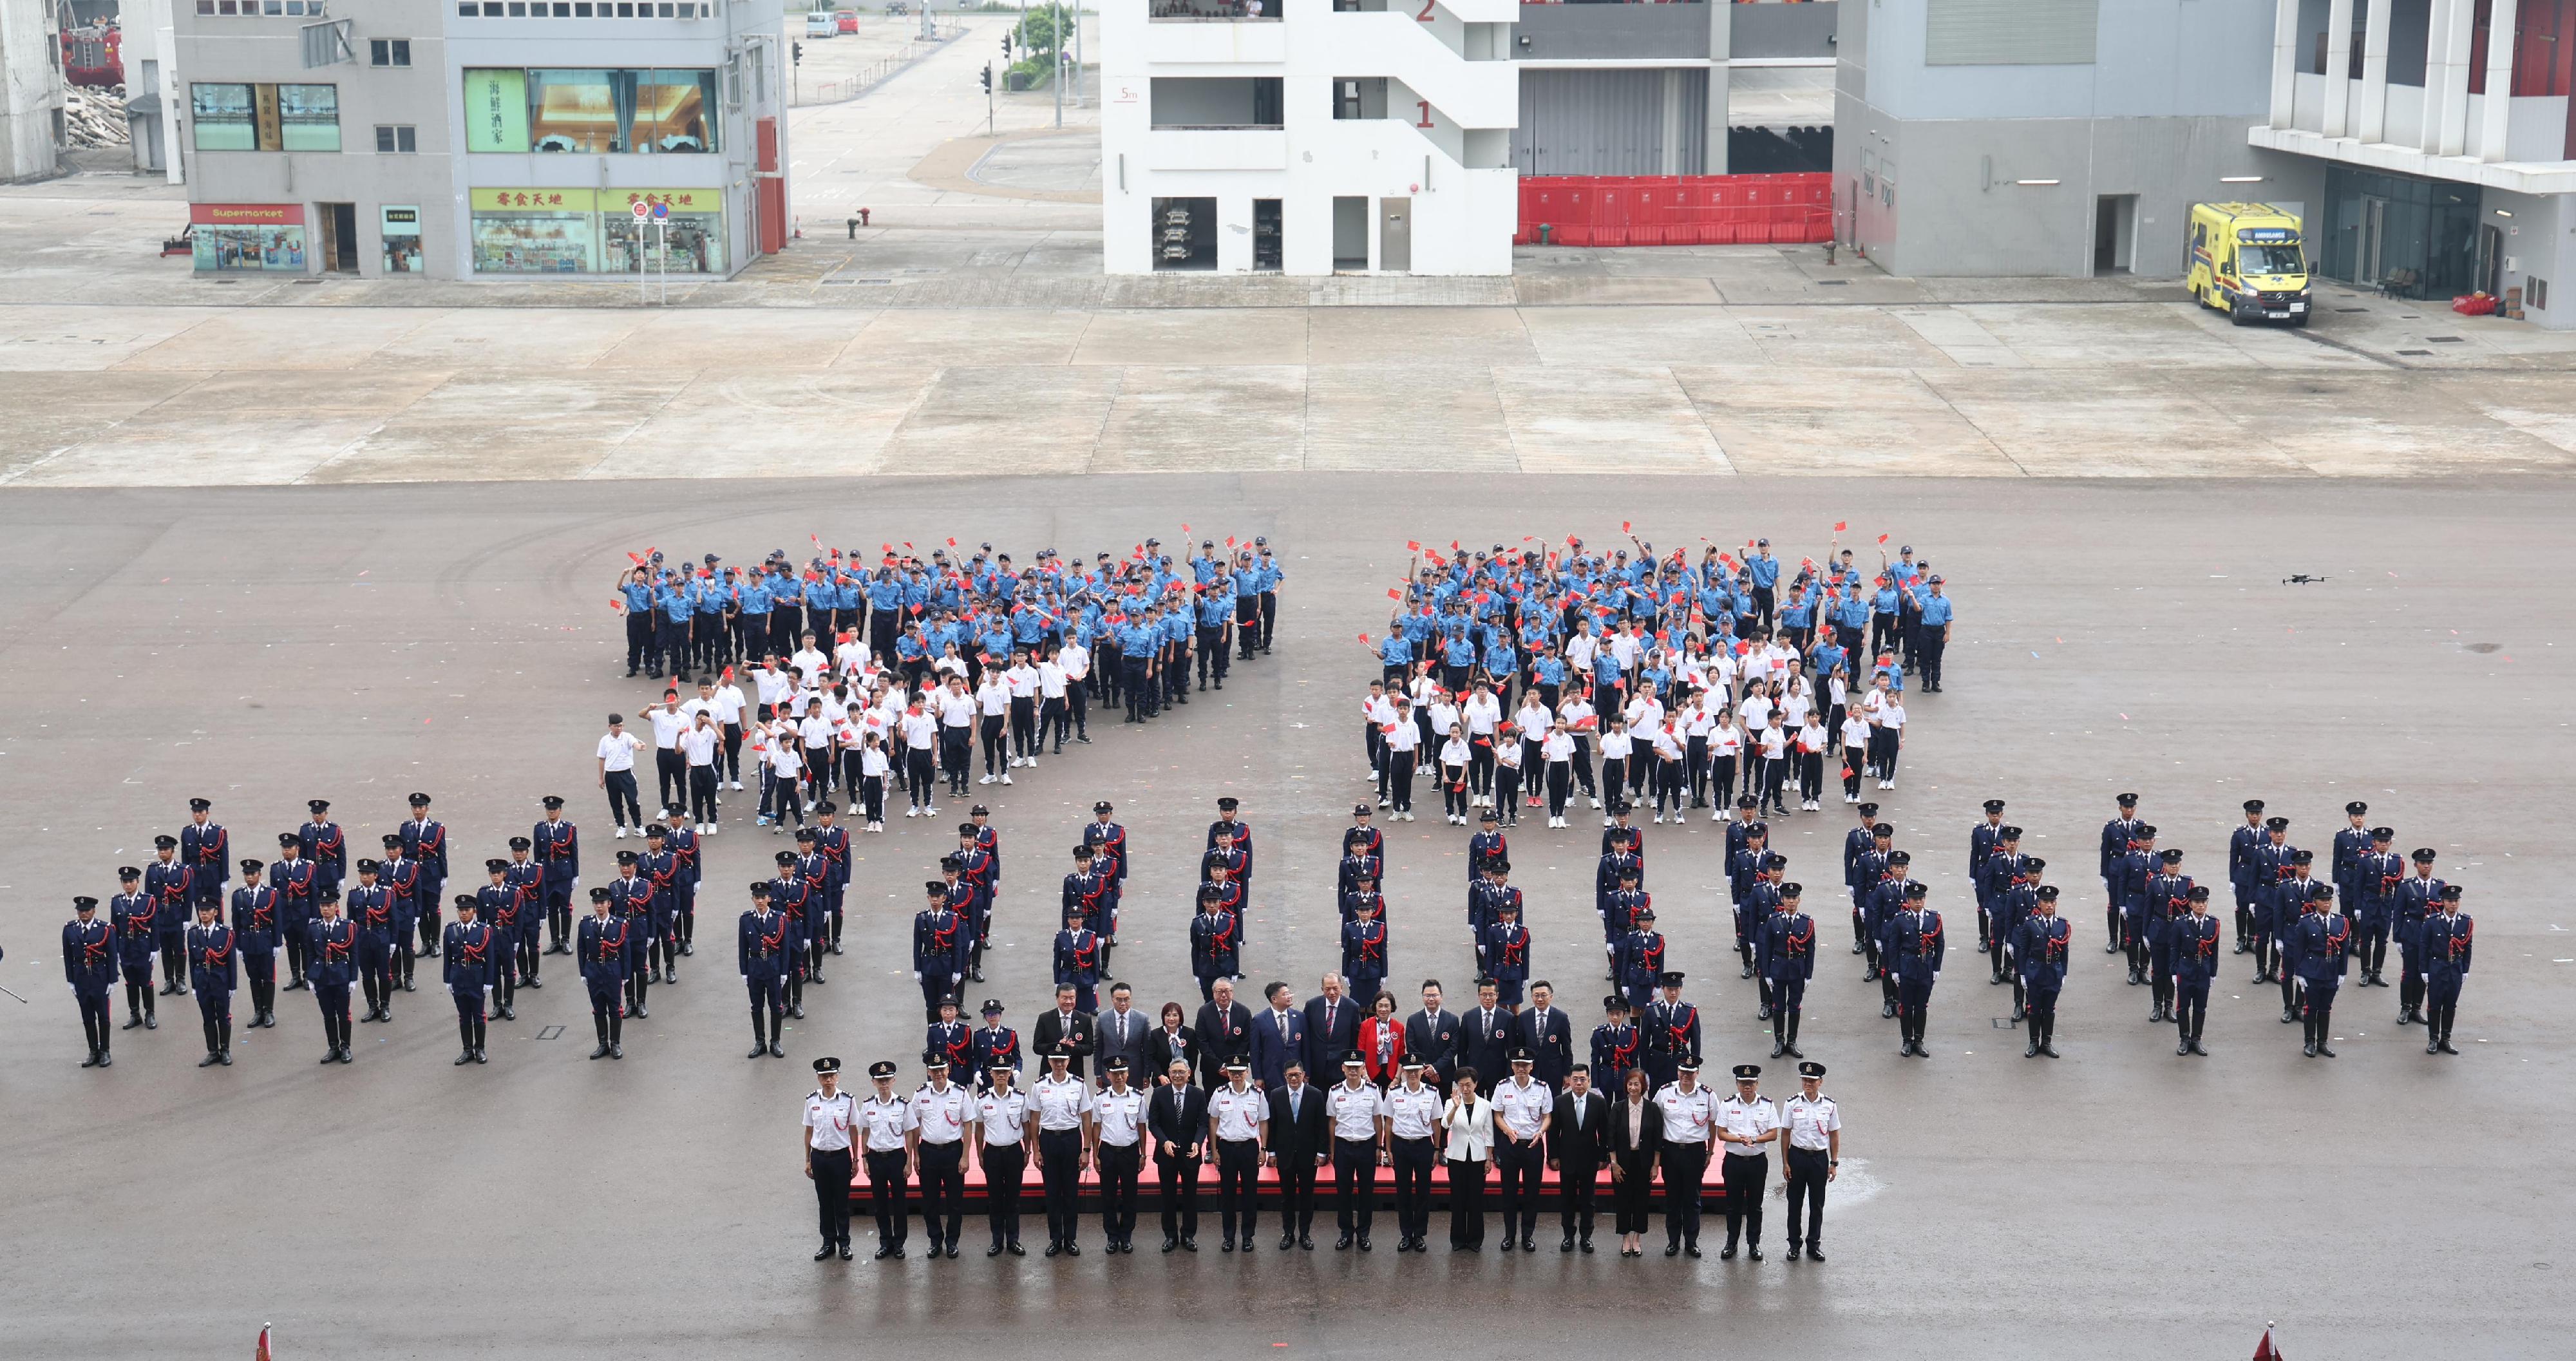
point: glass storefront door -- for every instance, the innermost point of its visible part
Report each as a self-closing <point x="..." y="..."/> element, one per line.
<point x="2415" y="237"/>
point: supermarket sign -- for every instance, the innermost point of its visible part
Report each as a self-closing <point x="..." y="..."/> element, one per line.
<point x="247" y="214"/>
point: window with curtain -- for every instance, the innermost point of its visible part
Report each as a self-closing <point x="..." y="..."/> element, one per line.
<point x="676" y="111"/>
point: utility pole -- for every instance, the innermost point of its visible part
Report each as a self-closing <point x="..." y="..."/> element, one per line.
<point x="1077" y="54"/>
<point x="1056" y="53"/>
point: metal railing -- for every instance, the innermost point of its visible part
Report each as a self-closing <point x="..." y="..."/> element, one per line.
<point x="875" y="73"/>
<point x="1213" y="11"/>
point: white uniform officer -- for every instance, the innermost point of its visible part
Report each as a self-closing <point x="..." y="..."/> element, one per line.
<point x="1237" y="1113"/>
<point x="1118" y="1150"/>
<point x="1357" y="1112"/>
<point x="1412" y="1113"/>
<point x="935" y="1135"/>
<point x="884" y="1118"/>
<point x="1690" y="1133"/>
<point x="1748" y="1124"/>
<point x="829" y="1115"/>
<point x="1063" y="1104"/>
<point x="1814" y="1140"/>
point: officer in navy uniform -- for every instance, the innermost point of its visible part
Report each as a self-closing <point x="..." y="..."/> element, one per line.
<point x="630" y="894"/>
<point x="1886" y="902"/>
<point x="2195" y="966"/>
<point x="600" y="951"/>
<point x="213" y="972"/>
<point x="1506" y="949"/>
<point x="1858" y="876"/>
<point x="1216" y="942"/>
<point x="762" y="945"/>
<point x="497" y="907"/>
<point x="399" y="875"/>
<point x="2292" y="895"/>
<point x="2116" y="836"/>
<point x="2447" y="936"/>
<point x="1994" y="882"/>
<point x="424" y="841"/>
<point x="331" y="965"/>
<point x="996" y="1045"/>
<point x="2041" y="946"/>
<point x="1787" y="958"/>
<point x="1616" y="1045"/>
<point x="2244" y="871"/>
<point x="299" y="880"/>
<point x="938" y="950"/>
<point x="206" y="848"/>
<point x="371" y="908"/>
<point x="526" y="880"/>
<point x="790" y="897"/>
<point x="321" y="841"/>
<point x="950" y="1035"/>
<point x="1108" y="842"/>
<point x="134" y="918"/>
<point x="1672" y="1032"/>
<point x="89" y="969"/>
<point x="2168" y="899"/>
<point x="2351" y="843"/>
<point x="1983" y="838"/>
<point x="1364" y="949"/>
<point x="257" y="922"/>
<point x="1915" y="933"/>
<point x="2418" y="899"/>
<point x="558" y="850"/>
<point x="2321" y="963"/>
<point x="2130" y="874"/>
<point x="472" y="953"/>
<point x="2373" y="900"/>
<point x="2273" y="919"/>
<point x="172" y="886"/>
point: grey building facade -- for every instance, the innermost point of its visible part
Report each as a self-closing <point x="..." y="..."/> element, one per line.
<point x="1639" y="89"/>
<point x="2050" y="137"/>
<point x="481" y="138"/>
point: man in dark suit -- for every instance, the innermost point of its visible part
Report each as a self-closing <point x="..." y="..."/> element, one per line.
<point x="1278" y="1037"/>
<point x="1434" y="1035"/>
<point x="1548" y="1033"/>
<point x="1119" y="1033"/>
<point x="1063" y="1031"/>
<point x="1575" y="1152"/>
<point x="1176" y="1121"/>
<point x="1299" y="1144"/>
<point x="1332" y="1029"/>
<point x="1225" y="1032"/>
<point x="1486" y="1036"/>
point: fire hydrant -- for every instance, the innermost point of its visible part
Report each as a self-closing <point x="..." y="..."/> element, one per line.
<point x="857" y="222"/>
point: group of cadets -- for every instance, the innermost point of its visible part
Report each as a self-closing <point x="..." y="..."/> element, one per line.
<point x="1505" y="671"/>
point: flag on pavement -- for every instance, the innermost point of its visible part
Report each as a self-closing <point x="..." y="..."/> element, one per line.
<point x="2264" y="1350"/>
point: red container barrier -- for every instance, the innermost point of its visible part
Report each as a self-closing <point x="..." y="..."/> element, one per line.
<point x="1676" y="210"/>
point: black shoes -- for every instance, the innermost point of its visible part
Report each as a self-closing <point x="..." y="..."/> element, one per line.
<point x="1815" y="1252"/>
<point x="1305" y="1242"/>
<point x="1567" y="1245"/>
<point x="1754" y="1252"/>
<point x="1287" y="1241"/>
<point x="845" y="1254"/>
<point x="1690" y="1250"/>
<point x="1793" y="1252"/>
<point x="1672" y="1249"/>
<point x="1170" y="1242"/>
<point x="1364" y="1243"/>
<point x="825" y="1255"/>
<point x="1342" y="1244"/>
<point x="1727" y="1253"/>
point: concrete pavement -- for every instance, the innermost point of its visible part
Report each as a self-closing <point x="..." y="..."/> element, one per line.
<point x="263" y="646"/>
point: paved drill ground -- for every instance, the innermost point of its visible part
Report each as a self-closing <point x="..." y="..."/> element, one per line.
<point x="263" y="646"/>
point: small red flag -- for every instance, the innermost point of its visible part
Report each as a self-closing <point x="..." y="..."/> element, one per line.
<point x="1623" y="527"/>
<point x="952" y="543"/>
<point x="261" y="1353"/>
<point x="616" y="604"/>
<point x="1841" y="525"/>
<point x="1882" y="538"/>
<point x="1412" y="545"/>
<point x="1364" y="640"/>
<point x="1393" y="594"/>
<point x="2265" y="1351"/>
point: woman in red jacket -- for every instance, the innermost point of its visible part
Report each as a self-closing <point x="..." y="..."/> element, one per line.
<point x="1381" y="1041"/>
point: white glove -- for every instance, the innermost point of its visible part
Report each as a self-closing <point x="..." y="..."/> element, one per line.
<point x="916" y="975"/>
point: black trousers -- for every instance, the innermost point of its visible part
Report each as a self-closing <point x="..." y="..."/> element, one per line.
<point x="639" y="641"/>
<point x="1466" y="1202"/>
<point x="1297" y="1194"/>
<point x="623" y="804"/>
<point x="1746" y="1179"/>
<point x="1238" y="1187"/>
<point x="1005" y="1165"/>
<point x="1634" y="1189"/>
<point x="943" y="1191"/>
<point x="832" y="1194"/>
<point x="1179" y="1180"/>
<point x="702" y="794"/>
<point x="1684" y="1166"/>
<point x="1519" y="1165"/>
<point x="1355" y="1184"/>
<point x="1062" y="1151"/>
<point x="1119" y="1168"/>
<point x="1805" y="1170"/>
<point x="1412" y="1159"/>
<point x="886" y="1197"/>
<point x="1577" y="1179"/>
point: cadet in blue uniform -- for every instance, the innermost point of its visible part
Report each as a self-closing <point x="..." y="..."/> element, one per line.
<point x="2321" y="962"/>
<point x="2447" y="936"/>
<point x="631" y="895"/>
<point x="2242" y="871"/>
<point x="1915" y="933"/>
<point x="2272" y="864"/>
<point x="89" y="969"/>
<point x="762" y="949"/>
<point x="1787" y="958"/>
<point x="256" y="924"/>
<point x="790" y="896"/>
<point x="2168" y="899"/>
<point x="399" y="876"/>
<point x="206" y="849"/>
<point x="2017" y="902"/>
<point x="2195" y="967"/>
<point x="2418" y="899"/>
<point x="1364" y="941"/>
<point x="996" y="1045"/>
<point x="134" y="919"/>
<point x="2129" y="875"/>
<point x="213" y="973"/>
<point x="2291" y="896"/>
<point x="1671" y="1030"/>
<point x="2040" y="949"/>
<point x="938" y="949"/>
<point x="1983" y="838"/>
<point x="1506" y="950"/>
<point x="1077" y="961"/>
<point x="371" y="908"/>
<point x="473" y="955"/>
<point x="299" y="880"/>
<point x="172" y="885"/>
<point x="1216" y="942"/>
<point x="2373" y="902"/>
<point x="600" y="951"/>
<point x="2351" y="843"/>
<point x="1616" y="1046"/>
<point x="516" y="913"/>
<point x="331" y="964"/>
<point x="558" y="852"/>
<point x="2116" y="836"/>
<point x="424" y="842"/>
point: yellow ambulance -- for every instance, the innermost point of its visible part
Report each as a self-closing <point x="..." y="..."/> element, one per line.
<point x="2249" y="261"/>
